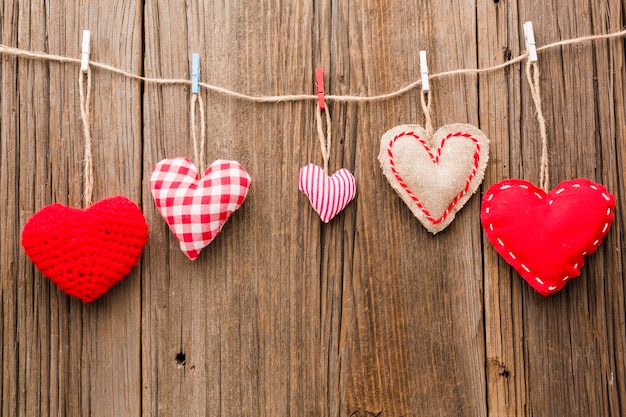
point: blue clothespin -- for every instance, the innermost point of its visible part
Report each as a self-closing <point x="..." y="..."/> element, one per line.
<point x="195" y="73"/>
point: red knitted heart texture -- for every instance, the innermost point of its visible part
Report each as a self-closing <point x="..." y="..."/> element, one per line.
<point x="545" y="236"/>
<point x="86" y="251"/>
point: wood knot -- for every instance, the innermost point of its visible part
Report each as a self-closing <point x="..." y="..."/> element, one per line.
<point x="180" y="359"/>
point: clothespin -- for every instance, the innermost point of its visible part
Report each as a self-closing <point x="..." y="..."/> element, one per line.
<point x="195" y="73"/>
<point x="319" y="87"/>
<point x="529" y="36"/>
<point x="424" y="71"/>
<point x="84" y="62"/>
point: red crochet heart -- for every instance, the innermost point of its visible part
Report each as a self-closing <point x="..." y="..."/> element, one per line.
<point x="86" y="251"/>
<point x="545" y="236"/>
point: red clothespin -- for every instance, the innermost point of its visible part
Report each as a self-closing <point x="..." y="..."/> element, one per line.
<point x="319" y="87"/>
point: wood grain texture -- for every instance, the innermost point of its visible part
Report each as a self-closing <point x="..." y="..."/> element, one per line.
<point x="369" y="315"/>
<point x="61" y="357"/>
<point x="556" y="355"/>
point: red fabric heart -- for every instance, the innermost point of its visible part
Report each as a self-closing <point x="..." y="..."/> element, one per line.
<point x="328" y="195"/>
<point x="545" y="236"/>
<point x="197" y="209"/>
<point x="86" y="251"/>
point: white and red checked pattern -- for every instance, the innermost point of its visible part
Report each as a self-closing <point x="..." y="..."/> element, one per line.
<point x="328" y="195"/>
<point x="196" y="209"/>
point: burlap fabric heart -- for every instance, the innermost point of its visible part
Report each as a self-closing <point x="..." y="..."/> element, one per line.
<point x="434" y="176"/>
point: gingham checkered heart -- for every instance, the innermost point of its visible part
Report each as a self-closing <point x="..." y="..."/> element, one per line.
<point x="328" y="195"/>
<point x="196" y="209"/>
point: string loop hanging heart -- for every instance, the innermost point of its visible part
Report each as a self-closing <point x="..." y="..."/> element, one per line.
<point x="198" y="148"/>
<point x="196" y="202"/>
<point x="327" y="194"/>
<point x="545" y="235"/>
<point x="86" y="251"/>
<point x="324" y="139"/>
<point x="532" y="75"/>
<point x="434" y="172"/>
<point x="85" y="112"/>
<point x="425" y="100"/>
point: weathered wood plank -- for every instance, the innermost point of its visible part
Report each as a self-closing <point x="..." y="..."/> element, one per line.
<point x="414" y="341"/>
<point x="555" y="355"/>
<point x="246" y="313"/>
<point x="281" y="314"/>
<point x="500" y="120"/>
<point x="9" y="215"/>
<point x="62" y="357"/>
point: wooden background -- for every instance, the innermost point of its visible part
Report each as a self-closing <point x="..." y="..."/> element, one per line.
<point x="282" y="315"/>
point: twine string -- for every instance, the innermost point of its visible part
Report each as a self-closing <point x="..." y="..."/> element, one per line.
<point x="532" y="75"/>
<point x="85" y="109"/>
<point x="7" y="50"/>
<point x="198" y="148"/>
<point x="325" y="139"/>
<point x="428" y="121"/>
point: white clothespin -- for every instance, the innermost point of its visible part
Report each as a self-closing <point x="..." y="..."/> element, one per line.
<point x="529" y="36"/>
<point x="424" y="71"/>
<point x="84" y="61"/>
<point x="195" y="73"/>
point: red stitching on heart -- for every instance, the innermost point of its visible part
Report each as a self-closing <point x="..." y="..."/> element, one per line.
<point x="435" y="159"/>
<point x="596" y="243"/>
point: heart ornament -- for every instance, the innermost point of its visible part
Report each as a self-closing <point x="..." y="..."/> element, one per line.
<point x="196" y="209"/>
<point x="434" y="176"/>
<point x="328" y="194"/>
<point x="546" y="236"/>
<point x="86" y="251"/>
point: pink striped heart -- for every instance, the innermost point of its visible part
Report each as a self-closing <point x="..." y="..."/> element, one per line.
<point x="197" y="208"/>
<point x="328" y="195"/>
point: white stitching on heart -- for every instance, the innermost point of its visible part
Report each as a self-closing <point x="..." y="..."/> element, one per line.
<point x="559" y="191"/>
